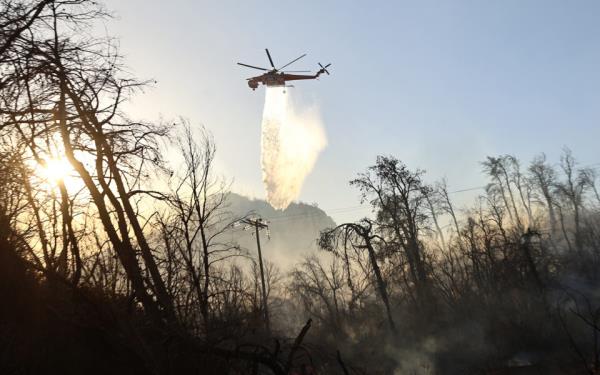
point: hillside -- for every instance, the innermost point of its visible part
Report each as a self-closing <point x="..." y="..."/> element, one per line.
<point x="293" y="231"/>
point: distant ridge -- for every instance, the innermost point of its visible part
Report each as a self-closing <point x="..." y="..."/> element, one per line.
<point x="294" y="231"/>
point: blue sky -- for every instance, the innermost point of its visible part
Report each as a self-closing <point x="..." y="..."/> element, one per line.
<point x="439" y="84"/>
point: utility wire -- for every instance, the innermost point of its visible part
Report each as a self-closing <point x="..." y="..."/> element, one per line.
<point x="349" y="209"/>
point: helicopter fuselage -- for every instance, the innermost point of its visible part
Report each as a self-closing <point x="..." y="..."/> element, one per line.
<point x="275" y="79"/>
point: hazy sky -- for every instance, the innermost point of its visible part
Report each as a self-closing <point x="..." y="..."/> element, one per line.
<point x="438" y="84"/>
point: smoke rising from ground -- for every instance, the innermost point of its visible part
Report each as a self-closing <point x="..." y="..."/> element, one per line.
<point x="291" y="142"/>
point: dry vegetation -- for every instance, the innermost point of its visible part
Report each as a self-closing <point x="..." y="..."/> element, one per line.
<point x="107" y="270"/>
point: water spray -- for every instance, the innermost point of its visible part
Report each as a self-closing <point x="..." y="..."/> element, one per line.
<point x="291" y="142"/>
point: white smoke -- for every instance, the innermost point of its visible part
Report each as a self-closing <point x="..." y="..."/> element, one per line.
<point x="291" y="142"/>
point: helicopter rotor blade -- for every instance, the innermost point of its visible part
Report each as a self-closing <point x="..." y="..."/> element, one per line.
<point x="297" y="71"/>
<point x="252" y="66"/>
<point x="293" y="61"/>
<point x="270" y="59"/>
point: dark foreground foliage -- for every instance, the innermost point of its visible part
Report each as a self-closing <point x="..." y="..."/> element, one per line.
<point x="49" y="326"/>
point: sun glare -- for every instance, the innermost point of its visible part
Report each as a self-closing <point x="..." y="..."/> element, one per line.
<point x="56" y="170"/>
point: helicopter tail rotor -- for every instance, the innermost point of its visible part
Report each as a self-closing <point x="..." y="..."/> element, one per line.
<point x="324" y="68"/>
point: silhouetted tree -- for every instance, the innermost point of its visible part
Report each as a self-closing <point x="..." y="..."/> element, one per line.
<point x="544" y="180"/>
<point x="399" y="197"/>
<point x="359" y="236"/>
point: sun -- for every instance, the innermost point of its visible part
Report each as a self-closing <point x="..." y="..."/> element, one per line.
<point x="55" y="170"/>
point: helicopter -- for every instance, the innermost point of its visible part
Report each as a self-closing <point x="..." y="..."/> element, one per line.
<point x="276" y="77"/>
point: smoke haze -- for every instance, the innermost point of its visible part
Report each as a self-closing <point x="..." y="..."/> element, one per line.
<point x="291" y="142"/>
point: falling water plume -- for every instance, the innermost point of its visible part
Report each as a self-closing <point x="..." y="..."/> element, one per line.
<point x="291" y="142"/>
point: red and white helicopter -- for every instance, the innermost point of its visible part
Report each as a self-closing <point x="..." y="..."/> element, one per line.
<point x="277" y="77"/>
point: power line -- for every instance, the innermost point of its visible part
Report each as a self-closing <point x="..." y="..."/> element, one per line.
<point x="349" y="209"/>
<point x="467" y="189"/>
<point x="344" y="210"/>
